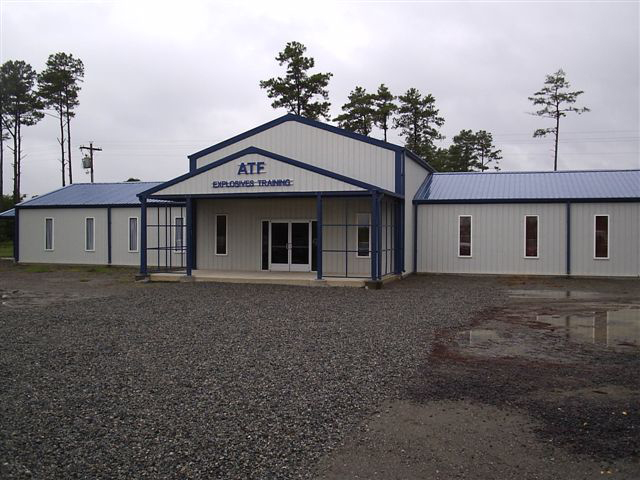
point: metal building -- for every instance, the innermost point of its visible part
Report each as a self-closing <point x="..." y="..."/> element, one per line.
<point x="297" y="198"/>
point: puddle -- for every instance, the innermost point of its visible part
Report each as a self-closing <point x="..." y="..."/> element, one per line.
<point x="555" y="294"/>
<point x="612" y="329"/>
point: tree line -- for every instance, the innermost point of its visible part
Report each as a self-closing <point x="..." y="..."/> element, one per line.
<point x="413" y="114"/>
<point x="26" y="96"/>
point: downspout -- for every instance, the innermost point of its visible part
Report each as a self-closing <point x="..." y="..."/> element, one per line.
<point x="415" y="238"/>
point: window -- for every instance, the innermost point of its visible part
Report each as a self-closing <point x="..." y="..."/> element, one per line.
<point x="89" y="234"/>
<point x="464" y="236"/>
<point x="179" y="233"/>
<point x="531" y="236"/>
<point x="221" y="234"/>
<point x="48" y="233"/>
<point x="601" y="241"/>
<point x="133" y="234"/>
<point x="363" y="221"/>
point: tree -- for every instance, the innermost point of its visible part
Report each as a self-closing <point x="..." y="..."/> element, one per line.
<point x="21" y="107"/>
<point x="59" y="85"/>
<point x="131" y="179"/>
<point x="297" y="90"/>
<point x="556" y="101"/>
<point x="418" y="121"/>
<point x="3" y="136"/>
<point x="486" y="153"/>
<point x="462" y="153"/>
<point x="384" y="109"/>
<point x="358" y="113"/>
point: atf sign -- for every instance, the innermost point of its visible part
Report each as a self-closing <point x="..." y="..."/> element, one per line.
<point x="252" y="168"/>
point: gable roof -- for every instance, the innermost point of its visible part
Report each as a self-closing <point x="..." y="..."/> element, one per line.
<point x="11" y="213"/>
<point x="123" y="194"/>
<point x="290" y="117"/>
<point x="503" y="187"/>
<point x="265" y="153"/>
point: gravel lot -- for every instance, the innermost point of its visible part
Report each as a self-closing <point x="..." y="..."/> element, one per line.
<point x="122" y="380"/>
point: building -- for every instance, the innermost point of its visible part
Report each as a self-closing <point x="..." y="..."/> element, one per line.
<point x="299" y="196"/>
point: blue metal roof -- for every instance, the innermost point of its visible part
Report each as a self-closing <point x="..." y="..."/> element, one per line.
<point x="495" y="187"/>
<point x="91" y="195"/>
<point x="8" y="213"/>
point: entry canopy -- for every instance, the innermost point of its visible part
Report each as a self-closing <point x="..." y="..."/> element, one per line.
<point x="257" y="171"/>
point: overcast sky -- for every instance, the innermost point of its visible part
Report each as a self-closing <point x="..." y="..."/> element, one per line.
<point x="166" y="79"/>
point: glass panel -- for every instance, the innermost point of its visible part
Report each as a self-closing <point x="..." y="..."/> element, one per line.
<point x="279" y="240"/>
<point x="602" y="236"/>
<point x="465" y="237"/>
<point x="531" y="236"/>
<point x="179" y="232"/>
<point x="300" y="243"/>
<point x="133" y="234"/>
<point x="363" y="221"/>
<point x="265" y="245"/>
<point x="88" y="238"/>
<point x="48" y="234"/>
<point x="221" y="234"/>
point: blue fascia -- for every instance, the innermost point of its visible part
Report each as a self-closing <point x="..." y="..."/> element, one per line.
<point x="265" y="153"/>
<point x="524" y="200"/>
<point x="150" y="204"/>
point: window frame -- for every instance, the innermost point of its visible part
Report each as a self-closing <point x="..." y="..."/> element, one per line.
<point x="226" y="235"/>
<point x="537" y="256"/>
<point x="368" y="255"/>
<point x="470" y="236"/>
<point x="137" y="249"/>
<point x="93" y="234"/>
<point x="595" y="238"/>
<point x="178" y="249"/>
<point x="52" y="234"/>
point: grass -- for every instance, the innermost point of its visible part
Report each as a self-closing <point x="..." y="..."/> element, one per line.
<point x="6" y="249"/>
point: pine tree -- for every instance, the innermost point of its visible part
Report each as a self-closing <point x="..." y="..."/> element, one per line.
<point x="358" y="113"/>
<point x="462" y="152"/>
<point x="556" y="101"/>
<point x="385" y="107"/>
<point x="21" y="107"/>
<point x="59" y="85"/>
<point x="486" y="153"/>
<point x="419" y="121"/>
<point x="297" y="90"/>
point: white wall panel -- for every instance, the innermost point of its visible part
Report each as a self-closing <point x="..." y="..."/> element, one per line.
<point x="415" y="176"/>
<point x="324" y="149"/>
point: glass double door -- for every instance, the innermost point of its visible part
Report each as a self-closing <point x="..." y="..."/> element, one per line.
<point x="290" y="244"/>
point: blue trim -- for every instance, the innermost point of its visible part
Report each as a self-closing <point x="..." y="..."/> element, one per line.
<point x="109" y="236"/>
<point x="397" y="214"/>
<point x="399" y="171"/>
<point x="526" y="200"/>
<point x="189" y="236"/>
<point x="568" y="215"/>
<point x="291" y="118"/>
<point x="264" y="153"/>
<point x="143" y="236"/>
<point x="171" y="203"/>
<point x="415" y="239"/>
<point x="319" y="236"/>
<point x="379" y="235"/>
<point x="194" y="252"/>
<point x="16" y="236"/>
<point x="374" y="237"/>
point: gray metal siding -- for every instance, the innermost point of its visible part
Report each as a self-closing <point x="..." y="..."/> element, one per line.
<point x="314" y="146"/>
<point x="497" y="239"/>
<point x="244" y="235"/>
<point x="624" y="239"/>
<point x="69" y="236"/>
<point x="414" y="178"/>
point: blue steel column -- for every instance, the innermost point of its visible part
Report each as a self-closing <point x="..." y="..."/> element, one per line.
<point x="568" y="238"/>
<point x="319" y="236"/>
<point x="16" y="235"/>
<point x="143" y="236"/>
<point x="379" y="235"/>
<point x="189" y="236"/>
<point x="372" y="253"/>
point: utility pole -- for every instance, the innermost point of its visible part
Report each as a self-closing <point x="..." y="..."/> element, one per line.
<point x="91" y="149"/>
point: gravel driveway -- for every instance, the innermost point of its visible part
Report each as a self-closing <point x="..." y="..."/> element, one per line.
<point x="208" y="380"/>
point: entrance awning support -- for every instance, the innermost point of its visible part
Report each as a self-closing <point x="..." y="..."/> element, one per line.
<point x="143" y="236"/>
<point x="319" y="236"/>
<point x="189" y="236"/>
<point x="375" y="223"/>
